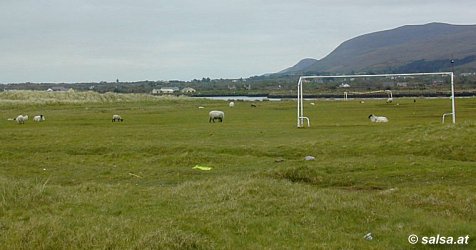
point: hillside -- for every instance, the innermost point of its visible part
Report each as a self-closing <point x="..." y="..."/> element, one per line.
<point x="410" y="48"/>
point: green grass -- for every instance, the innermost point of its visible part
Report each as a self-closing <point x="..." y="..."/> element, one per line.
<point x="79" y="181"/>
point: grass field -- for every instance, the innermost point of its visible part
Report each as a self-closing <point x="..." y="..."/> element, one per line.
<point x="79" y="181"/>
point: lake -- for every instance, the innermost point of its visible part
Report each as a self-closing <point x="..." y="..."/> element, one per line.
<point x="239" y="98"/>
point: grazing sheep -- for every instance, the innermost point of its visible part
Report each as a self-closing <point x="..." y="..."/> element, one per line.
<point x="39" y="118"/>
<point x="231" y="104"/>
<point x="21" y="119"/>
<point x="117" y="118"/>
<point x="374" y="118"/>
<point x="253" y="105"/>
<point x="216" y="115"/>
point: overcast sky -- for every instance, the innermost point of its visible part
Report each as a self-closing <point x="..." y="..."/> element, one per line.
<point x="133" y="40"/>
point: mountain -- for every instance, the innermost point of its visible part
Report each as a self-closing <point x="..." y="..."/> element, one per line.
<point x="300" y="66"/>
<point x="411" y="48"/>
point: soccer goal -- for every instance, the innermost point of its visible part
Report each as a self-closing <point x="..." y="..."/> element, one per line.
<point x="303" y="79"/>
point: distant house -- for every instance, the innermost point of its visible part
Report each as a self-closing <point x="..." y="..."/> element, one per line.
<point x="188" y="90"/>
<point x="165" y="90"/>
<point x="58" y="89"/>
<point x="344" y="85"/>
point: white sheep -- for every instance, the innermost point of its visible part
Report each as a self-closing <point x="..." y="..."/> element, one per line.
<point x="39" y="118"/>
<point x="374" y="118"/>
<point x="216" y="115"/>
<point x="117" y="118"/>
<point x="21" y="119"/>
<point x="231" y="104"/>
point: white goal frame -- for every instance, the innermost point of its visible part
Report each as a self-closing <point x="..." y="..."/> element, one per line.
<point x="300" y="99"/>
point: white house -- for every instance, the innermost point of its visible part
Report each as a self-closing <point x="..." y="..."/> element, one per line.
<point x="165" y="90"/>
<point x="344" y="85"/>
<point x="58" y="89"/>
<point x="188" y="90"/>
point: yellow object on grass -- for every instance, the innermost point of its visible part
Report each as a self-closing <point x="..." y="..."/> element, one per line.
<point x="202" y="167"/>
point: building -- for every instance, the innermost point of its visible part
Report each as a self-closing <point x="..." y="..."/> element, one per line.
<point x="188" y="90"/>
<point x="344" y="85"/>
<point x="165" y="90"/>
<point x="58" y="89"/>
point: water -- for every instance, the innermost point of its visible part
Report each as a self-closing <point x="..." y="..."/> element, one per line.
<point x="239" y="98"/>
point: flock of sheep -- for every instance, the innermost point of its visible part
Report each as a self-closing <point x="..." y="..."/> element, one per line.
<point x="214" y="115"/>
<point x="21" y="119"/>
<point x="220" y="115"/>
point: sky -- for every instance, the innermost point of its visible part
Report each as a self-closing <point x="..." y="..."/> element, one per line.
<point x="134" y="40"/>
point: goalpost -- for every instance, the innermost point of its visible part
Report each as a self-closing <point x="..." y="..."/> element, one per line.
<point x="300" y="99"/>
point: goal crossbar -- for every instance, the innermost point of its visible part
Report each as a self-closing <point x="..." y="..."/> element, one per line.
<point x="300" y="99"/>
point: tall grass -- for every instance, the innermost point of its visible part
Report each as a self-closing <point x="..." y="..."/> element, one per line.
<point x="19" y="97"/>
<point x="79" y="181"/>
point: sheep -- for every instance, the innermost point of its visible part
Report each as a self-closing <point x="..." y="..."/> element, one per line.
<point x="231" y="104"/>
<point x="253" y="105"/>
<point x="216" y="115"/>
<point x="39" y="118"/>
<point x="21" y="119"/>
<point x="374" y="118"/>
<point x="117" y="118"/>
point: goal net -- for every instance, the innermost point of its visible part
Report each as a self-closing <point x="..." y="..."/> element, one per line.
<point x="381" y="85"/>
